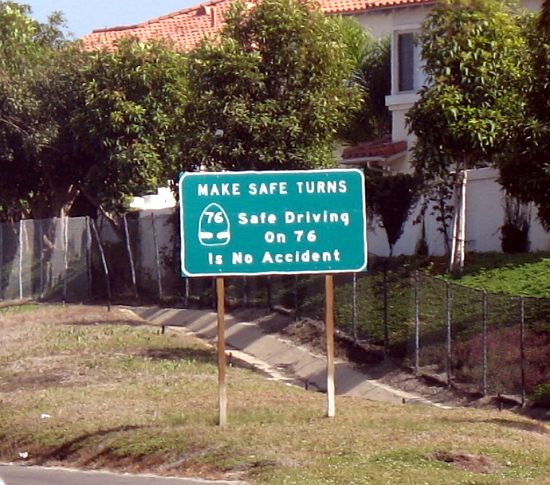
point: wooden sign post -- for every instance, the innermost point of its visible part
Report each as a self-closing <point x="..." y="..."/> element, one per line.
<point x="329" y="319"/>
<point x="222" y="388"/>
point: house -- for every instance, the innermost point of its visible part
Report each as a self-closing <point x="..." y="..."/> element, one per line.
<point x="400" y="19"/>
<point x="185" y="28"/>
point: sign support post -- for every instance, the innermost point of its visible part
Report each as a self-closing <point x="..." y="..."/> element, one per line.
<point x="222" y="390"/>
<point x="329" y="317"/>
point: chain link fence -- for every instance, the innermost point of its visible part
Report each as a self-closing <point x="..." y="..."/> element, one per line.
<point x="45" y="259"/>
<point x="482" y="342"/>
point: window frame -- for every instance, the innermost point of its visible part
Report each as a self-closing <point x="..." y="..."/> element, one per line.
<point x="416" y="63"/>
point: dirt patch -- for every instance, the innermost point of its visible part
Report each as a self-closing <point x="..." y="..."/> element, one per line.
<point x="468" y="462"/>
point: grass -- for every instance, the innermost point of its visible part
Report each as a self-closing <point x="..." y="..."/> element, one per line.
<point x="516" y="274"/>
<point x="123" y="396"/>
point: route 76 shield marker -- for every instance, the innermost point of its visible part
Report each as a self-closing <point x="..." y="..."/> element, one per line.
<point x="263" y="223"/>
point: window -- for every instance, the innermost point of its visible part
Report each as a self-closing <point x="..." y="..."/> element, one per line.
<point x="405" y="61"/>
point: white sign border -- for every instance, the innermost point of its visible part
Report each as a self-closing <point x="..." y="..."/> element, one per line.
<point x="187" y="274"/>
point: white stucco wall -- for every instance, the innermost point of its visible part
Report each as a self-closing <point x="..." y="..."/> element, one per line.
<point x="379" y="23"/>
<point x="532" y="5"/>
<point x="485" y="210"/>
<point x="485" y="215"/>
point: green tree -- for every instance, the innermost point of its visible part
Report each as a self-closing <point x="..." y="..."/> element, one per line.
<point x="474" y="99"/>
<point x="271" y="92"/>
<point x="525" y="166"/>
<point x="371" y="74"/>
<point x="373" y="119"/>
<point x="26" y="47"/>
<point x="473" y="52"/>
<point x="103" y="124"/>
<point x="130" y="126"/>
<point x="392" y="198"/>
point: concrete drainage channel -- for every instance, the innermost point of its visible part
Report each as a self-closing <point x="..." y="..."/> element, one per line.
<point x="277" y="358"/>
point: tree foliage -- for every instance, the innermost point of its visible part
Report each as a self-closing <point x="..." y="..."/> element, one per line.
<point x="27" y="48"/>
<point x="525" y="166"/>
<point x="392" y="198"/>
<point x="131" y="122"/>
<point x="272" y="92"/>
<point x="103" y="124"/>
<point x="372" y="61"/>
<point x="373" y="119"/>
<point x="474" y="99"/>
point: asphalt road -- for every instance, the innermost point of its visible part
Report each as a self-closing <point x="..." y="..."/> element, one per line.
<point x="31" y="475"/>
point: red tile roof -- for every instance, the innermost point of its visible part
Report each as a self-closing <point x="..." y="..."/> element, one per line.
<point x="187" y="27"/>
<point x="380" y="148"/>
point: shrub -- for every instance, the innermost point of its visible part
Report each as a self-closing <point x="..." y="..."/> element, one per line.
<point x="515" y="239"/>
<point x="541" y="395"/>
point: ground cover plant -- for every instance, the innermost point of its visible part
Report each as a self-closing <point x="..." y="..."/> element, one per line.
<point x="526" y="274"/>
<point x="82" y="386"/>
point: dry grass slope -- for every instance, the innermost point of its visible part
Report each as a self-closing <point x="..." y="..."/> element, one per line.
<point x="83" y="387"/>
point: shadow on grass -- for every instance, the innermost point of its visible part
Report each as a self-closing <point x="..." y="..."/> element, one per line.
<point x="79" y="443"/>
<point x="34" y="382"/>
<point x="521" y="425"/>
<point x="97" y="322"/>
<point x="187" y="354"/>
<point x="508" y="423"/>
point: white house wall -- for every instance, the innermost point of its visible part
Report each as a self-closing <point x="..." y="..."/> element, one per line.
<point x="378" y="23"/>
<point x="412" y="233"/>
<point x="485" y="210"/>
<point x="485" y="215"/>
<point x="532" y="5"/>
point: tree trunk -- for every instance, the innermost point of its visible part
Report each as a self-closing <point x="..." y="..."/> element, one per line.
<point x="456" y="265"/>
<point x="544" y="17"/>
<point x="113" y="220"/>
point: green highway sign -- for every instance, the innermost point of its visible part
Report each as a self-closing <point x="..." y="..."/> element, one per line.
<point x="287" y="222"/>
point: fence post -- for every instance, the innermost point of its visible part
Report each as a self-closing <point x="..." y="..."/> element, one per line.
<point x="416" y="322"/>
<point x="130" y="256"/>
<point x="245" y="292"/>
<point x="214" y="292"/>
<point x="157" y="255"/>
<point x="522" y="347"/>
<point x="354" y="308"/>
<point x="186" y="297"/>
<point x="105" y="267"/>
<point x="448" y="301"/>
<point x="65" y="225"/>
<point x="1" y="261"/>
<point x="20" y="259"/>
<point x="385" y="303"/>
<point x="89" y="256"/>
<point x="41" y="262"/>
<point x="269" y="293"/>
<point x="485" y="342"/>
<point x="296" y="305"/>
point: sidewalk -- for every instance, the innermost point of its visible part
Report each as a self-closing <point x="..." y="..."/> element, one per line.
<point x="278" y="358"/>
